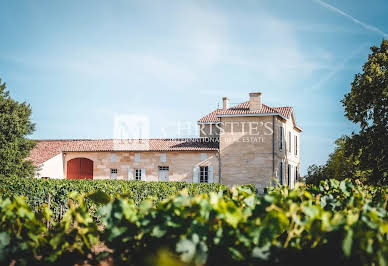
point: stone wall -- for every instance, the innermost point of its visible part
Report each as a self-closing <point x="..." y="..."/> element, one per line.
<point x="246" y="153"/>
<point x="180" y="164"/>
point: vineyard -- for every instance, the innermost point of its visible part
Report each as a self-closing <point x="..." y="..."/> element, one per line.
<point x="335" y="223"/>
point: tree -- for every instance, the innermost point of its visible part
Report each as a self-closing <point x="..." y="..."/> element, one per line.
<point x="340" y="165"/>
<point x="367" y="105"/>
<point x="15" y="126"/>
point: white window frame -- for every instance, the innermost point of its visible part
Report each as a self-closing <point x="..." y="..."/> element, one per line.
<point x="138" y="174"/>
<point x="203" y="174"/>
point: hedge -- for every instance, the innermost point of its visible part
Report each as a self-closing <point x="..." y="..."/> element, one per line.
<point x="41" y="191"/>
<point x="336" y="223"/>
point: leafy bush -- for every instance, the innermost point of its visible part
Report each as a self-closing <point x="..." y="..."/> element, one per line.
<point x="38" y="191"/>
<point x="338" y="223"/>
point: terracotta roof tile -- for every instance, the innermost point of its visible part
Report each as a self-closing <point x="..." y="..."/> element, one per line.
<point x="211" y="117"/>
<point x="285" y="111"/>
<point x="46" y="149"/>
<point x="243" y="109"/>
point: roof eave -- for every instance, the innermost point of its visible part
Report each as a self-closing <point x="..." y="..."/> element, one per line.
<point x="299" y="128"/>
<point x="208" y="123"/>
<point x="268" y="114"/>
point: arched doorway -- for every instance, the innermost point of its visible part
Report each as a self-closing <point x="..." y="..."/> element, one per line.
<point x="80" y="168"/>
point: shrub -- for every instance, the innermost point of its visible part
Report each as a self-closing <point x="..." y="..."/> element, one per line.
<point x="38" y="191"/>
<point x="338" y="223"/>
<point x="237" y="227"/>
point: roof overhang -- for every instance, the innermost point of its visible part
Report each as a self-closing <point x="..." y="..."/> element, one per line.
<point x="299" y="128"/>
<point x="268" y="114"/>
<point x="208" y="123"/>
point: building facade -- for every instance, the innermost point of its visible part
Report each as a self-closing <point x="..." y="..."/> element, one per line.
<point x="249" y="143"/>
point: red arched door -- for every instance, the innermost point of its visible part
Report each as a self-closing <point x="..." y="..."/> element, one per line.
<point x="80" y="168"/>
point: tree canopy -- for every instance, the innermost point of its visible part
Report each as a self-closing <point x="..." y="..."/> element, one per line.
<point x="363" y="154"/>
<point x="15" y="126"/>
<point x="367" y="105"/>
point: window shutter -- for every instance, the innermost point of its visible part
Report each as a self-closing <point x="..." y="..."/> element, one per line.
<point x="130" y="174"/>
<point x="211" y="174"/>
<point x="289" y="142"/>
<point x="296" y="145"/>
<point x="195" y="174"/>
<point x="143" y="174"/>
<point x="113" y="157"/>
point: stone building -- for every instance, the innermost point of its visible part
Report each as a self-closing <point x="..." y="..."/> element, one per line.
<point x="246" y="143"/>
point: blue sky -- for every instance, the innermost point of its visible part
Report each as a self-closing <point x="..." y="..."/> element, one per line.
<point x="81" y="63"/>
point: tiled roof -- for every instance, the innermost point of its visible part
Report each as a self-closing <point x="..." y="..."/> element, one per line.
<point x="46" y="149"/>
<point x="211" y="117"/>
<point x="284" y="111"/>
<point x="243" y="109"/>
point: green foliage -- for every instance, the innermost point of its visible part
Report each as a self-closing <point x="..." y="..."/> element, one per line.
<point x="25" y="238"/>
<point x="337" y="222"/>
<point x="15" y="125"/>
<point x="340" y="165"/>
<point x="363" y="155"/>
<point x="21" y="231"/>
<point x="367" y="105"/>
<point x="38" y="191"/>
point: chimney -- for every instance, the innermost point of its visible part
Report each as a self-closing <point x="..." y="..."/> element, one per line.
<point x="225" y="103"/>
<point x="254" y="101"/>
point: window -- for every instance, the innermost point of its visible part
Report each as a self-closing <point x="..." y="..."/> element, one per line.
<point x="163" y="173"/>
<point x="281" y="173"/>
<point x="163" y="157"/>
<point x="289" y="175"/>
<point x="113" y="173"/>
<point x="280" y="138"/>
<point x="204" y="174"/>
<point x="296" y="173"/>
<point x="289" y="141"/>
<point x="203" y="156"/>
<point x="137" y="174"/>
<point x="296" y="145"/>
<point x="137" y="157"/>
